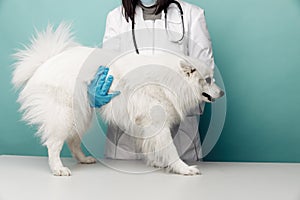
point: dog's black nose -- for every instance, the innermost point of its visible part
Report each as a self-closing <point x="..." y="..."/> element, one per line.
<point x="222" y="93"/>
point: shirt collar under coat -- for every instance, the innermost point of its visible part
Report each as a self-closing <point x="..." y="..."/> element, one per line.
<point x="141" y="23"/>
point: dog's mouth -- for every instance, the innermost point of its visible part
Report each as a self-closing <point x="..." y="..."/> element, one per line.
<point x="208" y="97"/>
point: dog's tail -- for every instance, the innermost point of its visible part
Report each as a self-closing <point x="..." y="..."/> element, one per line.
<point x="44" y="45"/>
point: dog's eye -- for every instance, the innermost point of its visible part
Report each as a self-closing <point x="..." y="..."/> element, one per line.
<point x="208" y="80"/>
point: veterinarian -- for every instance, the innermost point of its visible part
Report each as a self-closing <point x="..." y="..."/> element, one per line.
<point x="193" y="40"/>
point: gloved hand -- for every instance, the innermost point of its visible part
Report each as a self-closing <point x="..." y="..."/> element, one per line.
<point x="98" y="88"/>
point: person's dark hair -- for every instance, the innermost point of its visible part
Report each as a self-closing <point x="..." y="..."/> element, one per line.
<point x="130" y="5"/>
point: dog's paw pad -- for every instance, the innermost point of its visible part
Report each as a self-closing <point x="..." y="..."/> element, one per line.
<point x="88" y="160"/>
<point x="63" y="171"/>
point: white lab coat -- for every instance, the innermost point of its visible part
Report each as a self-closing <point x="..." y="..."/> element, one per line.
<point x="152" y="34"/>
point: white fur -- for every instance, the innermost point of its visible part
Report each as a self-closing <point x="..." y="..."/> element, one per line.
<point x="54" y="97"/>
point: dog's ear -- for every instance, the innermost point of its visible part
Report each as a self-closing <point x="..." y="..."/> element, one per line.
<point x="186" y="68"/>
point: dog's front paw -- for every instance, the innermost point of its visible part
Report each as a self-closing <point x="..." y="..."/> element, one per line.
<point x="180" y="167"/>
<point x="62" y="171"/>
<point x="88" y="160"/>
<point x="190" y="170"/>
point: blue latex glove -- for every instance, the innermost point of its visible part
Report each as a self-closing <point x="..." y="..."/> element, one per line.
<point x="98" y="88"/>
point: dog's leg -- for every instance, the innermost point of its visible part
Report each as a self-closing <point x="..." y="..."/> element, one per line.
<point x="161" y="151"/>
<point x="56" y="166"/>
<point x="74" y="144"/>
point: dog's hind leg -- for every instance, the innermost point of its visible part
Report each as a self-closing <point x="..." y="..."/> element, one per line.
<point x="54" y="148"/>
<point x="74" y="144"/>
<point x="160" y="150"/>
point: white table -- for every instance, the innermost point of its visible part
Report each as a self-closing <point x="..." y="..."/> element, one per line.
<point x="23" y="178"/>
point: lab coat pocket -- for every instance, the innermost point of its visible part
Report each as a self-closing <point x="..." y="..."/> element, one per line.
<point x="174" y="30"/>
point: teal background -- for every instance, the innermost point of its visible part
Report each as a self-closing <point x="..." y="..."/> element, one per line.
<point x="257" y="49"/>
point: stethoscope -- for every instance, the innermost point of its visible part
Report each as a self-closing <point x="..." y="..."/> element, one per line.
<point x="166" y="25"/>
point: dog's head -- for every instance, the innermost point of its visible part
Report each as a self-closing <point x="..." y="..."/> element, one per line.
<point x="200" y="78"/>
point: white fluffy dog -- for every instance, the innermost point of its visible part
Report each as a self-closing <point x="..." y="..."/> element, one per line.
<point x="53" y="75"/>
